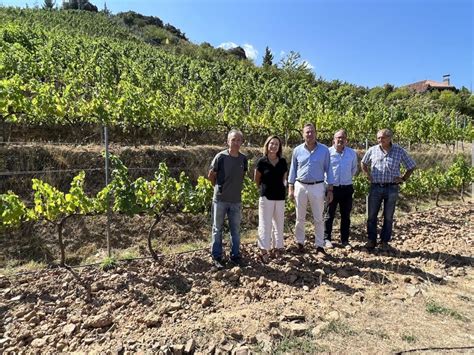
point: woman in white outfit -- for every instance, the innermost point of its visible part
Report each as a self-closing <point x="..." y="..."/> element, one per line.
<point x="270" y="177"/>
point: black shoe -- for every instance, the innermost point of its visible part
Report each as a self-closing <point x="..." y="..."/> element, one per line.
<point x="237" y="261"/>
<point x="218" y="264"/>
<point x="385" y="247"/>
<point x="320" y="250"/>
<point x="370" y="245"/>
<point x="346" y="245"/>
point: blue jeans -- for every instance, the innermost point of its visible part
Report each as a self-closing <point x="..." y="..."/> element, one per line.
<point x="388" y="195"/>
<point x="219" y="210"/>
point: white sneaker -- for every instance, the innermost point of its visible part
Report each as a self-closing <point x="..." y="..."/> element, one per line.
<point x="327" y="244"/>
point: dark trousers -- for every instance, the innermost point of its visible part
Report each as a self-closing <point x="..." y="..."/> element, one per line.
<point x="388" y="195"/>
<point x="342" y="196"/>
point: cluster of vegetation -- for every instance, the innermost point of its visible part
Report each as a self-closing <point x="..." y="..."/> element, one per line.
<point x="166" y="195"/>
<point x="78" y="67"/>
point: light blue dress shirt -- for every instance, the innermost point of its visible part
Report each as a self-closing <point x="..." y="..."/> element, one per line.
<point x="310" y="166"/>
<point x="343" y="165"/>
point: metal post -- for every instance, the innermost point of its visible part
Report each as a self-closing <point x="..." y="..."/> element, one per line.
<point x="107" y="231"/>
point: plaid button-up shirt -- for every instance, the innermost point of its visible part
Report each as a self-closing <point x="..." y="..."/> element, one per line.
<point x="384" y="167"/>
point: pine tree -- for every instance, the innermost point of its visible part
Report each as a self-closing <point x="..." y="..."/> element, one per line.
<point x="106" y="10"/>
<point x="49" y="4"/>
<point x="268" y="57"/>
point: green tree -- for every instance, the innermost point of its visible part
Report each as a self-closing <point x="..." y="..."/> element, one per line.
<point x="49" y="4"/>
<point x="267" y="58"/>
<point x="106" y="10"/>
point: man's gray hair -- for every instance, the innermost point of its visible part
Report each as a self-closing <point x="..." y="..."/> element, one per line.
<point x="235" y="131"/>
<point x="343" y="131"/>
<point x="386" y="132"/>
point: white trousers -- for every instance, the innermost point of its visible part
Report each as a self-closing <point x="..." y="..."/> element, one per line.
<point x="271" y="219"/>
<point x="315" y="194"/>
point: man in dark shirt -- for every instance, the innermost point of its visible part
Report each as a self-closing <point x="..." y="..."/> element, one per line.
<point x="227" y="173"/>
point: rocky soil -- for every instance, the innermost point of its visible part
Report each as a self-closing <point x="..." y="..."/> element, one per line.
<point x="420" y="295"/>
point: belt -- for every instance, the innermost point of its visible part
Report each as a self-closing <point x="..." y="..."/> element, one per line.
<point x="384" y="184"/>
<point x="310" y="183"/>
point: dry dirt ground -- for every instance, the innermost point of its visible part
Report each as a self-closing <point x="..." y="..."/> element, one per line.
<point x="419" y="296"/>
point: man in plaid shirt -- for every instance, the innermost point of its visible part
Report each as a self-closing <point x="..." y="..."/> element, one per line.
<point x="381" y="164"/>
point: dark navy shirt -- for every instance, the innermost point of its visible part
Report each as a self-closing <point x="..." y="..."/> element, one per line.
<point x="271" y="183"/>
<point x="230" y="176"/>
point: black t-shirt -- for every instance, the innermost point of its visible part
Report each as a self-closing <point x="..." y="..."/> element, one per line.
<point x="271" y="184"/>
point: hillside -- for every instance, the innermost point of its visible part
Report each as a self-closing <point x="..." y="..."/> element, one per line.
<point x="78" y="69"/>
<point x="418" y="296"/>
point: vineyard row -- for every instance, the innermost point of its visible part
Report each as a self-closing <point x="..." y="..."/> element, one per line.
<point x="165" y="194"/>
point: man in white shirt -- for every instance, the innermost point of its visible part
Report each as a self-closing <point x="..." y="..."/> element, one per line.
<point x="343" y="163"/>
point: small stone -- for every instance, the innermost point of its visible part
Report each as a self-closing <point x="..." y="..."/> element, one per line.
<point x="343" y="273"/>
<point x="320" y="272"/>
<point x="219" y="275"/>
<point x="295" y="329"/>
<point x="24" y="335"/>
<point x="69" y="329"/>
<point x="398" y="297"/>
<point x="151" y="320"/>
<point x="190" y="347"/>
<point x="317" y="331"/>
<point x="97" y="286"/>
<point x="99" y="321"/>
<point x="61" y="346"/>
<point x="236" y="271"/>
<point x="177" y="349"/>
<point x="275" y="333"/>
<point x="21" y="312"/>
<point x="252" y="339"/>
<point x="289" y="317"/>
<point x="358" y="296"/>
<point x="273" y="324"/>
<point x="206" y="301"/>
<point x="292" y="278"/>
<point x="30" y="315"/>
<point x="88" y="341"/>
<point x="265" y="341"/>
<point x="305" y="288"/>
<point x="412" y="290"/>
<point x="333" y="316"/>
<point x="16" y="298"/>
<point x="236" y="335"/>
<point x="38" y="343"/>
<point x="175" y="306"/>
<point x="243" y="350"/>
<point x="262" y="282"/>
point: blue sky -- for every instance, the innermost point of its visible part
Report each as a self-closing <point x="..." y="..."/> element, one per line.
<point x="364" y="42"/>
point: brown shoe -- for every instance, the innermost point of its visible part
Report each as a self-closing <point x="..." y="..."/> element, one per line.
<point x="263" y="257"/>
<point x="370" y="245"/>
<point x="275" y="253"/>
